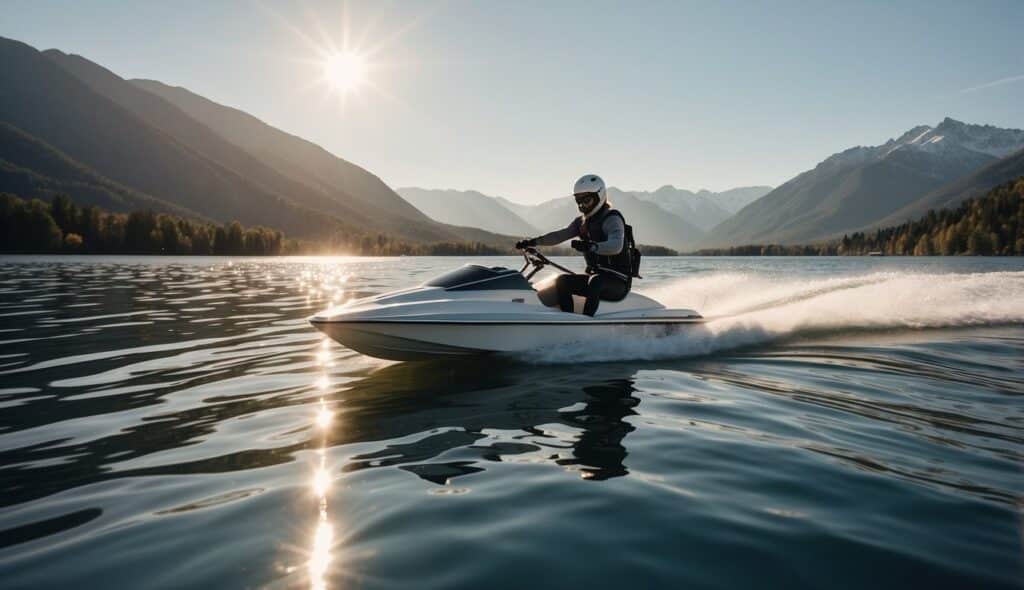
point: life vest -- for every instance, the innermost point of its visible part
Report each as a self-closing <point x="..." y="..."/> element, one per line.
<point x="622" y="263"/>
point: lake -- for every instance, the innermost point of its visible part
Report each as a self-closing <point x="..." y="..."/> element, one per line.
<point x="846" y="423"/>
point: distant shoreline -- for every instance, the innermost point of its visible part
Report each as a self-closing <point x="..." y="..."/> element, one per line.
<point x="513" y="255"/>
<point x="989" y="225"/>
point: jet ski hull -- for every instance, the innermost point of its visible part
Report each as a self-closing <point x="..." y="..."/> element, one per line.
<point x="421" y="340"/>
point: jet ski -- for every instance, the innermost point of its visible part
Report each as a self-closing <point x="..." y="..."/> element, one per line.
<point x="477" y="310"/>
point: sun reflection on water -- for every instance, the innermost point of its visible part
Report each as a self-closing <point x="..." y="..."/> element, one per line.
<point x="319" y="562"/>
<point x="323" y="534"/>
<point x="323" y="416"/>
<point x="323" y="286"/>
<point x="320" y="556"/>
<point x="321" y="483"/>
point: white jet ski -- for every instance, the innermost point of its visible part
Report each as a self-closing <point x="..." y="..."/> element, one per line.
<point x="477" y="310"/>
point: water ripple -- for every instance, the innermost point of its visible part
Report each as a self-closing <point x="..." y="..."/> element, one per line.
<point x="170" y="423"/>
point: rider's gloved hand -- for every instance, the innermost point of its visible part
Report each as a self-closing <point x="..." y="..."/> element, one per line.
<point x="527" y="243"/>
<point x="581" y="245"/>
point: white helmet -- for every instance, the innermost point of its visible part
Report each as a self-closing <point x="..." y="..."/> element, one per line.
<point x="587" y="187"/>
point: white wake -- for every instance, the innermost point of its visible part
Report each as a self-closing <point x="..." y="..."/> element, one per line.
<point x="749" y="309"/>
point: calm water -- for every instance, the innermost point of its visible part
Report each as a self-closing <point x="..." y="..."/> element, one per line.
<point x="175" y="423"/>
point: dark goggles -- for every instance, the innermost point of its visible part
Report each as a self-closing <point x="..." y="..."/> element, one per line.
<point x="586" y="198"/>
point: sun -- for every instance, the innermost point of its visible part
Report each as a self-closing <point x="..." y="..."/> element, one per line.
<point x="345" y="71"/>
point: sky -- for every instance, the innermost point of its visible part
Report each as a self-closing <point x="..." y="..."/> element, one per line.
<point x="518" y="99"/>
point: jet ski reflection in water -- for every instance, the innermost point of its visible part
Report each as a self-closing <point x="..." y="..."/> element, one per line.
<point x="478" y="310"/>
<point x="578" y="421"/>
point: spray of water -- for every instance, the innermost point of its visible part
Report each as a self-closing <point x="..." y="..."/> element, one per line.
<point x="747" y="309"/>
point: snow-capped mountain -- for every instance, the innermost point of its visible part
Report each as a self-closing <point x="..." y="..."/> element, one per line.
<point x="951" y="134"/>
<point x="861" y="186"/>
<point x="950" y="137"/>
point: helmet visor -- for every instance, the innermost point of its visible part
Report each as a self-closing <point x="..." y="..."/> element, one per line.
<point x="586" y="201"/>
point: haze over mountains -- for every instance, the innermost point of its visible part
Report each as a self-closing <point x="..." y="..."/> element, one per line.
<point x="70" y="125"/>
<point x="467" y="208"/>
<point x="671" y="217"/>
<point x="703" y="208"/>
<point x="858" y="189"/>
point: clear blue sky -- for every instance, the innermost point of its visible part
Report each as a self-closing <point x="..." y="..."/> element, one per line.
<point x="519" y="98"/>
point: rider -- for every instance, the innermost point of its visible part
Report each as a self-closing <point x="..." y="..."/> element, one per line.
<point x="600" y="234"/>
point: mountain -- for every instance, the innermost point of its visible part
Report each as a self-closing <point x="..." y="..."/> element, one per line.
<point x="46" y="102"/>
<point x="699" y="209"/>
<point x="958" y="191"/>
<point x="467" y="208"/>
<point x="986" y="224"/>
<point x="376" y="206"/>
<point x="31" y="168"/>
<point x="734" y="199"/>
<point x="139" y="150"/>
<point x="861" y="186"/>
<point x="197" y="137"/>
<point x="703" y="208"/>
<point x="306" y="162"/>
<point x="296" y="158"/>
<point x="523" y="211"/>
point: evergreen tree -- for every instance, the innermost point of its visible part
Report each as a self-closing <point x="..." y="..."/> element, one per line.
<point x="923" y="246"/>
<point x="64" y="213"/>
<point x="34" y="228"/>
<point x="235" y="238"/>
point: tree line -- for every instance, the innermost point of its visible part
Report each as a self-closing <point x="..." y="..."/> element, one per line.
<point x="61" y="226"/>
<point x="990" y="225"/>
<point x="35" y="226"/>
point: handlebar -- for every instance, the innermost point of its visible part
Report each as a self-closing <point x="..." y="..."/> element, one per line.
<point x="538" y="261"/>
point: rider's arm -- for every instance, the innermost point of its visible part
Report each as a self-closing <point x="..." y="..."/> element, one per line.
<point x="560" y="235"/>
<point x="615" y="229"/>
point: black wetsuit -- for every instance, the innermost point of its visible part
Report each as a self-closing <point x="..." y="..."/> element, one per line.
<point x="608" y="267"/>
<point x="596" y="287"/>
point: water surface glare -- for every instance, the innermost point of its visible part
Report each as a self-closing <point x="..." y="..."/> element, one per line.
<point x="176" y="423"/>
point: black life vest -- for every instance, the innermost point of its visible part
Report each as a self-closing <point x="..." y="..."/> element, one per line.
<point x="622" y="263"/>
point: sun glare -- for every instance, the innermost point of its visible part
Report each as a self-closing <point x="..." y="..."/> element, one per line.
<point x="345" y="71"/>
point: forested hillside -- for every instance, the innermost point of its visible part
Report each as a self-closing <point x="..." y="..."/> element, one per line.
<point x="34" y="169"/>
<point x="37" y="227"/>
<point x="866" y="187"/>
<point x="990" y="225"/>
